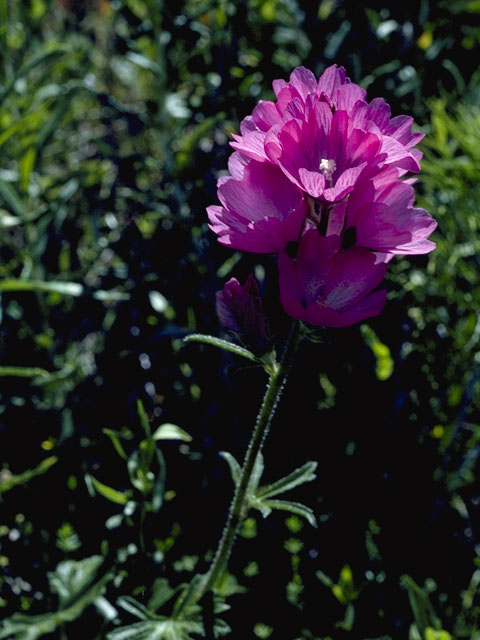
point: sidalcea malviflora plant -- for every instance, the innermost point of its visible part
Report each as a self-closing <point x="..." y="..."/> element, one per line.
<point x="319" y="177"/>
<point x="324" y="172"/>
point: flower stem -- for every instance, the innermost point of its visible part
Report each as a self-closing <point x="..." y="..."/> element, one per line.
<point x="238" y="509"/>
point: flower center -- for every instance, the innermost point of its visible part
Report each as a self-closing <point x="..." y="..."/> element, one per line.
<point x="327" y="167"/>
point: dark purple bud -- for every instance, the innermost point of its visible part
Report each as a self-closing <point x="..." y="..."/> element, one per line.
<point x="239" y="308"/>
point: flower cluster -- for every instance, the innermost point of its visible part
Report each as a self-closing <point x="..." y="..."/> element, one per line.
<point x="325" y="170"/>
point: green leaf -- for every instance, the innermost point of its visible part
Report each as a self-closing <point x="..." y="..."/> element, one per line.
<point x="64" y="288"/>
<point x="385" y="363"/>
<point x="24" y="627"/>
<point x="12" y="481"/>
<point x="71" y="577"/>
<point x="168" y="431"/>
<point x="23" y="372"/>
<point x="135" y="608"/>
<point x="157" y="630"/>
<point x="433" y="634"/>
<point x="144" y="421"/>
<point x="11" y="198"/>
<point x="107" y="492"/>
<point x="115" y="438"/>
<point x="305" y="473"/>
<point x="161" y="593"/>
<point x="422" y="609"/>
<point x="221" y="344"/>
<point x="293" y="507"/>
<point x="235" y="468"/>
<point x="256" y="476"/>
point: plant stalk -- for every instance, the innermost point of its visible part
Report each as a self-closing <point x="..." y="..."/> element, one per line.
<point x="238" y="509"/>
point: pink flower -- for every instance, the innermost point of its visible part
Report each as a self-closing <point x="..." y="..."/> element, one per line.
<point x="322" y="168"/>
<point x="323" y="154"/>
<point x="329" y="286"/>
<point x="261" y="210"/>
<point x="379" y="215"/>
<point x="239" y="308"/>
<point x="269" y="135"/>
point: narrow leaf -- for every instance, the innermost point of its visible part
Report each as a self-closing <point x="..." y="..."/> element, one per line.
<point x="168" y="431"/>
<point x="144" y="421"/>
<point x="23" y="372"/>
<point x="235" y="468"/>
<point x="11" y="198"/>
<point x="113" y="435"/>
<point x="74" y="289"/>
<point x="22" y="478"/>
<point x="108" y="492"/>
<point x="137" y="609"/>
<point x="305" y="473"/>
<point x="293" y="507"/>
<point x="221" y="344"/>
<point x="262" y="506"/>
<point x="256" y="476"/>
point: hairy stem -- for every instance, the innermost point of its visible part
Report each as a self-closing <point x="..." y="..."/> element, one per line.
<point x="239" y="507"/>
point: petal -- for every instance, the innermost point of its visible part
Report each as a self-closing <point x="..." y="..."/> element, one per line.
<point x="265" y="115"/>
<point x="250" y="144"/>
<point x="332" y="78"/>
<point x="353" y="276"/>
<point x="304" y="81"/>
<point x="313" y="182"/>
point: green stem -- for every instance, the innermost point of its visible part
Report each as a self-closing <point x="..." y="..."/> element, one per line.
<point x="238" y="508"/>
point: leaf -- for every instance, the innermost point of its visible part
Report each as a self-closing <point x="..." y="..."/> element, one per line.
<point x="385" y="364"/>
<point x="158" y="491"/>
<point x="221" y="344"/>
<point x="293" y="507"/>
<point x="235" y="468"/>
<point x="422" y="609"/>
<point x="169" y="431"/>
<point x="257" y="471"/>
<point x="41" y="57"/>
<point x="135" y="608"/>
<point x="114" y="437"/>
<point x="161" y="593"/>
<point x="23" y="372"/>
<point x="25" y="627"/>
<point x="305" y="473"/>
<point x="11" y="198"/>
<point x="144" y="421"/>
<point x="72" y="576"/>
<point x="157" y="630"/>
<point x="107" y="492"/>
<point x="64" y="288"/>
<point x="21" y="478"/>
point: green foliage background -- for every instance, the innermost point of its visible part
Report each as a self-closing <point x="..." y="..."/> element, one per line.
<point x="115" y="117"/>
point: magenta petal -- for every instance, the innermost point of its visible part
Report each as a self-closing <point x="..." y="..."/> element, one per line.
<point x="328" y="286"/>
<point x="332" y="78"/>
<point x="400" y="128"/>
<point x="250" y="144"/>
<point x="372" y="305"/>
<point x="304" y="81"/>
<point x="312" y="182"/>
<point x="399" y="155"/>
<point x="261" y="212"/>
<point x="355" y="274"/>
<point x="347" y="96"/>
<point x="265" y="115"/>
<point x="344" y="184"/>
<point x="379" y="228"/>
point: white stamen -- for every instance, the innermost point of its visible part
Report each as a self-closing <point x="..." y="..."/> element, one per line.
<point x="327" y="167"/>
